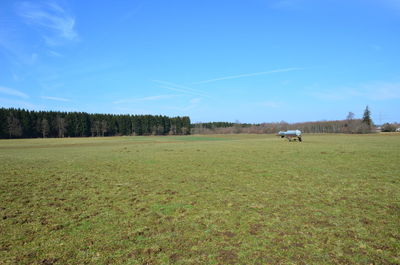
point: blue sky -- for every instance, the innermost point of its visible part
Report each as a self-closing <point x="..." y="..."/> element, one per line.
<point x="252" y="61"/>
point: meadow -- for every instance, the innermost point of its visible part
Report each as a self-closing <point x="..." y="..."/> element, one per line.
<point x="215" y="199"/>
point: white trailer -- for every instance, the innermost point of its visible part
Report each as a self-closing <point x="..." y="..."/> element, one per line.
<point x="291" y="135"/>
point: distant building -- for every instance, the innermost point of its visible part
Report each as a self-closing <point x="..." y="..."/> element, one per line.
<point x="398" y="129"/>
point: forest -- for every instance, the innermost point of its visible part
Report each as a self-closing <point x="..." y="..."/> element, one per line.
<point x="21" y="123"/>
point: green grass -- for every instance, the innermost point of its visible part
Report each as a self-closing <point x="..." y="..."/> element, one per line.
<point x="226" y="199"/>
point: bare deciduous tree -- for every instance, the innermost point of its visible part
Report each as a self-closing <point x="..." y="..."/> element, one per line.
<point x="60" y="125"/>
<point x="350" y="116"/>
<point x="104" y="127"/>
<point x="173" y="129"/>
<point x="14" y="126"/>
<point x="350" y="125"/>
<point x="237" y="127"/>
<point x="95" y="128"/>
<point x="44" y="127"/>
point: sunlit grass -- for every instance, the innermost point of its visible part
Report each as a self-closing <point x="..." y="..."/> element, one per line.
<point x="226" y="199"/>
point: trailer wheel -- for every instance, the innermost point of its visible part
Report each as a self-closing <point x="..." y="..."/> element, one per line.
<point x="300" y="140"/>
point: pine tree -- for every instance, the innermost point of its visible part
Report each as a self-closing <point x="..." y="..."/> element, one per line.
<point x="367" y="117"/>
<point x="24" y="123"/>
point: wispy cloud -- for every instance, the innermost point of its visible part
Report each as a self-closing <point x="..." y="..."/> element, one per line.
<point x="10" y="103"/>
<point x="55" y="23"/>
<point x="182" y="89"/>
<point x="193" y="103"/>
<point x="55" y="98"/>
<point x="54" y="53"/>
<point x="151" y="98"/>
<point x="371" y="91"/>
<point x="12" y="92"/>
<point x="249" y="74"/>
<point x="195" y="100"/>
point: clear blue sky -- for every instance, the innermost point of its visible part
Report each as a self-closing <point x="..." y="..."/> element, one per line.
<point x="250" y="60"/>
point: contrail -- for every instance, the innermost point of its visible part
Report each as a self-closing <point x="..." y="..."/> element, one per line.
<point x="184" y="91"/>
<point x="180" y="88"/>
<point x="247" y="75"/>
<point x="150" y="98"/>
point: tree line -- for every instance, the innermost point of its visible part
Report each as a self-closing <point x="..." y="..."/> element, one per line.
<point x="21" y="123"/>
<point x="339" y="126"/>
<point x="390" y="127"/>
<point x="348" y="125"/>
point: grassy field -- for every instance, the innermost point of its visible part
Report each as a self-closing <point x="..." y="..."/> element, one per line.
<point x="226" y="199"/>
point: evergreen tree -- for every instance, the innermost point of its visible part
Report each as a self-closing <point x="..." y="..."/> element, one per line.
<point x="367" y="117"/>
<point x="3" y="123"/>
<point x="28" y="124"/>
